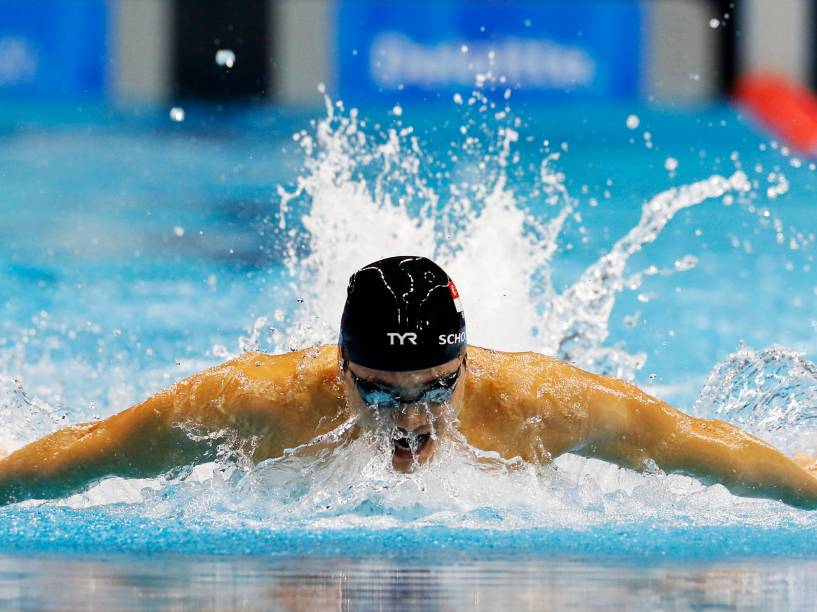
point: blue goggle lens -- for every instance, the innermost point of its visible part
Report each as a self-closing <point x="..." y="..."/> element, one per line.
<point x="383" y="396"/>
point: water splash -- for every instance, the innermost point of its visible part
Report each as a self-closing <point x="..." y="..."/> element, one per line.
<point x="362" y="199"/>
<point x="38" y="416"/>
<point x="578" y="319"/>
<point x="771" y="393"/>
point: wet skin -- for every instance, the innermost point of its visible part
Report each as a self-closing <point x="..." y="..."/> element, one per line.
<point x="515" y="404"/>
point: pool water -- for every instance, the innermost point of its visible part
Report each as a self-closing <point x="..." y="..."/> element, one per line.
<point x="168" y="582"/>
<point x="137" y="250"/>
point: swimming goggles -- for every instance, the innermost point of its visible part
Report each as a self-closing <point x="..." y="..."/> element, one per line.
<point x="384" y="396"/>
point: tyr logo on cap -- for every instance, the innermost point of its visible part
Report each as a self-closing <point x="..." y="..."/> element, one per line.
<point x="401" y="338"/>
<point x="455" y="295"/>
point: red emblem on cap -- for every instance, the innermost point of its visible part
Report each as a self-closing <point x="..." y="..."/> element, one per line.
<point x="455" y="296"/>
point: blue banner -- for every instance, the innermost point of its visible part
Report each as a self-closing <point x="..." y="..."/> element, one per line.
<point x="556" y="48"/>
<point x="53" y="47"/>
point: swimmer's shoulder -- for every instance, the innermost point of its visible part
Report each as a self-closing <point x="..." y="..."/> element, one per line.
<point x="493" y="365"/>
<point x="307" y="369"/>
<point x="514" y="381"/>
<point x="494" y="381"/>
<point x="517" y="402"/>
<point x="280" y="400"/>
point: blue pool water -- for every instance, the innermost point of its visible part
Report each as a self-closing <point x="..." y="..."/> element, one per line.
<point x="136" y="250"/>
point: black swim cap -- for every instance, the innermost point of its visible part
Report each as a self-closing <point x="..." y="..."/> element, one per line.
<point x="402" y="313"/>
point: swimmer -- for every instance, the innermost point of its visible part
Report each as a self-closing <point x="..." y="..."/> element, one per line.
<point x="402" y="365"/>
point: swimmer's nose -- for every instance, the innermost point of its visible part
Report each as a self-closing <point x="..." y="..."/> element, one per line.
<point x="412" y="420"/>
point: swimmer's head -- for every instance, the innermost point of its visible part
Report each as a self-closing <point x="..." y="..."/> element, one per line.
<point x="402" y="346"/>
<point x="402" y="314"/>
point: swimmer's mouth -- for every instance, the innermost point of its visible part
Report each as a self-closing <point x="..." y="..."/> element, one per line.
<point x="406" y="446"/>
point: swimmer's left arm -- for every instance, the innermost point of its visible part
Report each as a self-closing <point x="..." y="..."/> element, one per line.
<point x="629" y="427"/>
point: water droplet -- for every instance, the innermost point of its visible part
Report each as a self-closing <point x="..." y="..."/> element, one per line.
<point x="714" y="23"/>
<point x="397" y="110"/>
<point x="225" y="57"/>
<point x="631" y="320"/>
<point x="464" y="49"/>
<point x="671" y="164"/>
<point x="177" y="114"/>
<point x="633" y="122"/>
<point x="686" y="263"/>
<point x="178" y="231"/>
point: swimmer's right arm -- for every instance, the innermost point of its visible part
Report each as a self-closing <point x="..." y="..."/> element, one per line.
<point x="140" y="441"/>
<point x="264" y="403"/>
